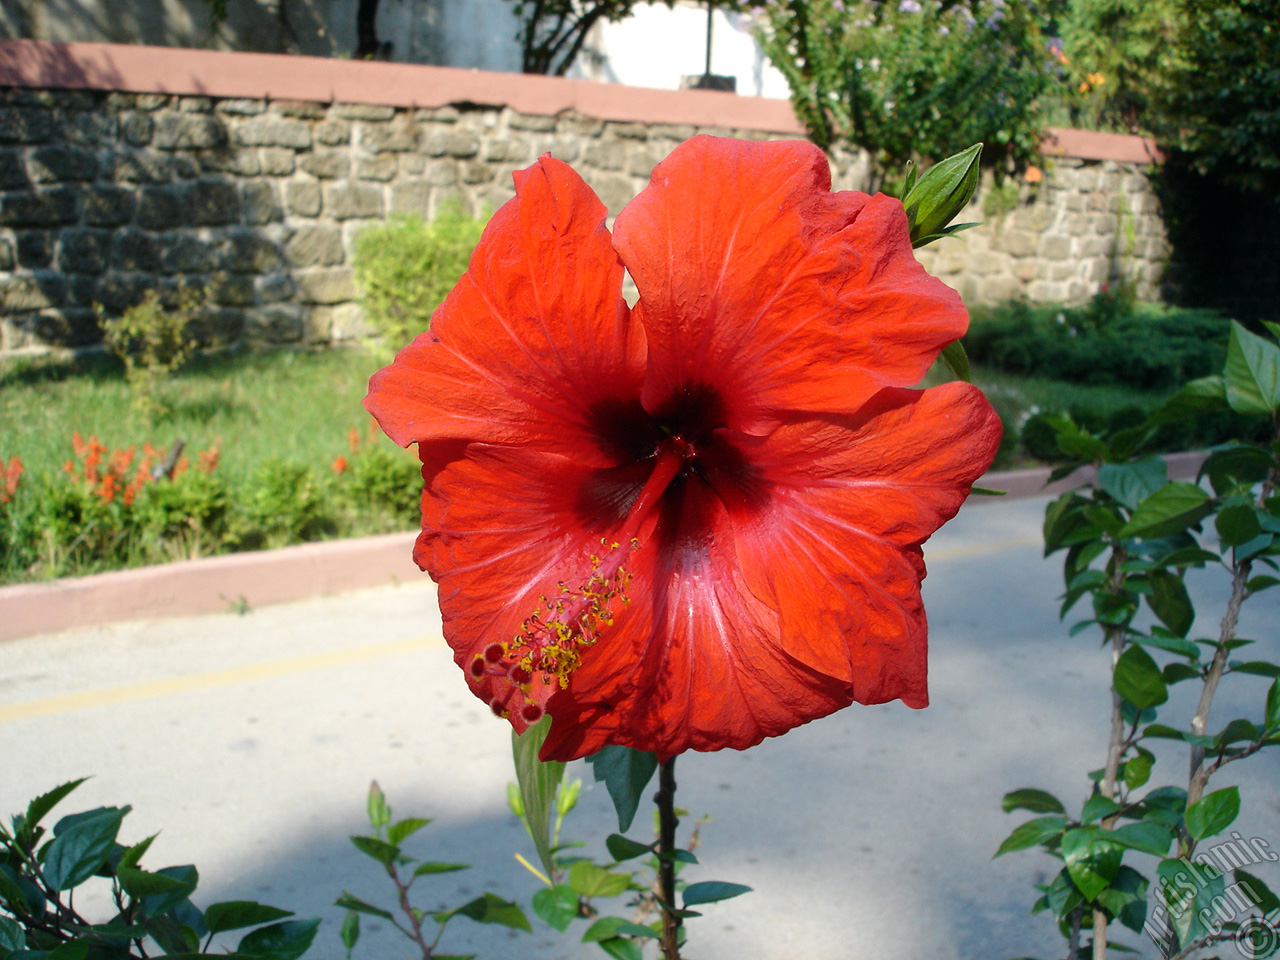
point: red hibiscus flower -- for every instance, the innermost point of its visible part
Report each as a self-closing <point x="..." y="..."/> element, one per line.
<point x="694" y="523"/>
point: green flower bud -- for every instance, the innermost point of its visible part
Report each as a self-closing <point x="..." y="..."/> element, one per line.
<point x="936" y="198"/>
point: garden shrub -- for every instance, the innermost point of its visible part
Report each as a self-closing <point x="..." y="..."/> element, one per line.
<point x="1101" y="343"/>
<point x="284" y="505"/>
<point x="153" y="341"/>
<point x="407" y="266"/>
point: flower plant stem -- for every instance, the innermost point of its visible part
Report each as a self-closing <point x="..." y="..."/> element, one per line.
<point x="667" y="823"/>
<point x="1117" y="743"/>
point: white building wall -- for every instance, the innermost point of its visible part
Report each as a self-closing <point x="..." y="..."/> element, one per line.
<point x="656" y="46"/>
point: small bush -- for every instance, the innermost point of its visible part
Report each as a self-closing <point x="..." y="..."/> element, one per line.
<point x="1105" y="342"/>
<point x="406" y="267"/>
<point x="153" y="341"/>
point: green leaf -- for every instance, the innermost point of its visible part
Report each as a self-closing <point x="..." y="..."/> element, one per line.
<point x="1237" y="524"/>
<point x="1097" y="807"/>
<point x="171" y="900"/>
<point x="1272" y="715"/>
<point x="1145" y="835"/>
<point x="625" y="773"/>
<point x="1029" y="798"/>
<point x="435" y="866"/>
<point x="350" y="932"/>
<point x="539" y="782"/>
<point x="1170" y="510"/>
<point x="622" y="949"/>
<point x="11" y="894"/>
<point x="956" y="360"/>
<point x="347" y="901"/>
<point x="1252" y="373"/>
<point x="81" y="845"/>
<point x="591" y="880"/>
<point x="939" y="196"/>
<point x="1137" y="769"/>
<point x="378" y="808"/>
<point x="491" y="908"/>
<point x="379" y="850"/>
<point x="1213" y="813"/>
<point x="1257" y="892"/>
<point x="1091" y="858"/>
<point x="401" y="831"/>
<point x="1169" y="601"/>
<point x="11" y="936"/>
<point x="1131" y="483"/>
<point x="1138" y="679"/>
<point x="712" y="891"/>
<point x="280" y="941"/>
<point x="1189" y="891"/>
<point x="41" y="805"/>
<point x="238" y="914"/>
<point x="1032" y="833"/>
<point x="140" y="883"/>
<point x="1198" y="396"/>
<point x="1179" y="645"/>
<point x="133" y="854"/>
<point x="624" y="848"/>
<point x="557" y="906"/>
<point x="567" y="797"/>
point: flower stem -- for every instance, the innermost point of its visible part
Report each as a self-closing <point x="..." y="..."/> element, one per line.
<point x="667" y="823"/>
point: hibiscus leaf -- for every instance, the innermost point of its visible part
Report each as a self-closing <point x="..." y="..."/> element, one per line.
<point x="539" y="782"/>
<point x="1252" y="373"/>
<point x="957" y="361"/>
<point x="1213" y="813"/>
<point x="712" y="891"/>
<point x="625" y="773"/>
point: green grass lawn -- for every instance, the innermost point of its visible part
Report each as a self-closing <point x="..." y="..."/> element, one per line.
<point x="301" y="407"/>
<point x="297" y="406"/>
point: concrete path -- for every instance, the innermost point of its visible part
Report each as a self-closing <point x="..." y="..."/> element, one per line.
<point x="250" y="740"/>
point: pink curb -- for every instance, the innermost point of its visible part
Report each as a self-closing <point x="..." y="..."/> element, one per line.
<point x="310" y="570"/>
<point x="207" y="585"/>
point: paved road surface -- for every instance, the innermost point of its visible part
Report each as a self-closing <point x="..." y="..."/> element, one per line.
<point x="249" y="741"/>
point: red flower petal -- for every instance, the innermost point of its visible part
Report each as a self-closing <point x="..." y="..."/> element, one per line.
<point x="533" y="343"/>
<point x="789" y="297"/>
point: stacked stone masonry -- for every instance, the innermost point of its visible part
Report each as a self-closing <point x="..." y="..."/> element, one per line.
<point x="106" y="195"/>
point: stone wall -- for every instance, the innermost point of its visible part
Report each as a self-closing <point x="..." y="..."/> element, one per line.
<point x="108" y="193"/>
<point x="1085" y="223"/>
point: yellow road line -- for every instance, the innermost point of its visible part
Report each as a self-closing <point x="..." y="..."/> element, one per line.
<point x="70" y="702"/>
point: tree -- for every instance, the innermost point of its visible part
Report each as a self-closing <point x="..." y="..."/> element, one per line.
<point x="913" y="79"/>
<point x="552" y="32"/>
<point x="1222" y="106"/>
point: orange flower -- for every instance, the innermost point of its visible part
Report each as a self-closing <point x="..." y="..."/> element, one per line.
<point x="694" y="523"/>
<point x="340" y="464"/>
<point x="12" y="474"/>
<point x="209" y="459"/>
<point x="1033" y="175"/>
<point x="353" y="439"/>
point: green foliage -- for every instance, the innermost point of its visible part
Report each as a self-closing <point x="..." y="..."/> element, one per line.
<point x="1128" y="541"/>
<point x="407" y="266"/>
<point x="1106" y="341"/>
<point x="41" y="870"/>
<point x="69" y="509"/>
<point x="154" y="341"/>
<point x="386" y="846"/>
<point x="913" y="80"/>
<point x="574" y="885"/>
<point x="1222" y="105"/>
<point x="1117" y="57"/>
